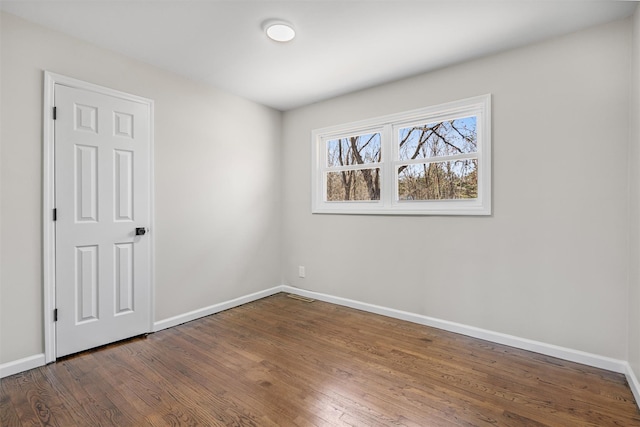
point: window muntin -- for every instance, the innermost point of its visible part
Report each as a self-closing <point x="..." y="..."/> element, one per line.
<point x="349" y="175"/>
<point x="435" y="160"/>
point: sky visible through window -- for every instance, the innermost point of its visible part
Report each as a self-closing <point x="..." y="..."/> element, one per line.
<point x="434" y="160"/>
<point x="436" y="179"/>
<point x="355" y="149"/>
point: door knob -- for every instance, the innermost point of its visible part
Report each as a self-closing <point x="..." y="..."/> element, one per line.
<point x="141" y="231"/>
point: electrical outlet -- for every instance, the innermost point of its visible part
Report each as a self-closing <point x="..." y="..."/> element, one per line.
<point x="301" y="271"/>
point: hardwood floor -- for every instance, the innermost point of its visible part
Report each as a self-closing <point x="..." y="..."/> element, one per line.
<point x="284" y="362"/>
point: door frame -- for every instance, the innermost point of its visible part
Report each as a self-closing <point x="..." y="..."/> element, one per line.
<point x="48" y="200"/>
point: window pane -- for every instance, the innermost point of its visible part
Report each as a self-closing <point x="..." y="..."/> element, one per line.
<point x="439" y="181"/>
<point x="354" y="150"/>
<point x="361" y="184"/>
<point x="438" y="139"/>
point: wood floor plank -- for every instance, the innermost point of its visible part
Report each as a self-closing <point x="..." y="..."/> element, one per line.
<point x="285" y="362"/>
<point x="449" y="397"/>
<point x="8" y="414"/>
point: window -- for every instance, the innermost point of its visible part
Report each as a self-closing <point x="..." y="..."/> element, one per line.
<point x="431" y="161"/>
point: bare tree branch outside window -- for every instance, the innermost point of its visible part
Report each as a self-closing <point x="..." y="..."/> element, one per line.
<point x="432" y="179"/>
<point x="354" y="184"/>
<point x="434" y="160"/>
<point x="438" y="180"/>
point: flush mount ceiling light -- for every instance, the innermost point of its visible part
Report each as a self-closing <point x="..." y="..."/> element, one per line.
<point x="279" y="31"/>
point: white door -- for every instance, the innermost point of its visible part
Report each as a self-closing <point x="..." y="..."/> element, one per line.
<point x="102" y="195"/>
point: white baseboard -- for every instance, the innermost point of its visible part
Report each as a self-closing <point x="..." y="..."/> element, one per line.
<point x="564" y="353"/>
<point x="571" y="355"/>
<point x="21" y="365"/>
<point x="206" y="311"/>
<point x="634" y="385"/>
<point x="35" y="361"/>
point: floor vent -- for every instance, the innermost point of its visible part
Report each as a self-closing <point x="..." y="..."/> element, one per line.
<point x="301" y="298"/>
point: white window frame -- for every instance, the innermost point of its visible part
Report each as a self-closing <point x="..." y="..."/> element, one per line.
<point x="388" y="126"/>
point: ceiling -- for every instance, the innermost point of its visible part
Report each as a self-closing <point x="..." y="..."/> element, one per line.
<point x="341" y="45"/>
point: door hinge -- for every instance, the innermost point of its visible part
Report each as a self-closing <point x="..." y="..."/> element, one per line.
<point x="55" y="112"/>
<point x="55" y="214"/>
<point x="55" y="314"/>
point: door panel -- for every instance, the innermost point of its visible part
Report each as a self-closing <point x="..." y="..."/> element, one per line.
<point x="87" y="283"/>
<point x="86" y="182"/>
<point x="124" y="185"/>
<point x="124" y="278"/>
<point x="102" y="174"/>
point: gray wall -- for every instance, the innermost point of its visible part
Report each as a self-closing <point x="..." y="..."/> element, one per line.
<point x="634" y="200"/>
<point x="551" y="264"/>
<point x="216" y="238"/>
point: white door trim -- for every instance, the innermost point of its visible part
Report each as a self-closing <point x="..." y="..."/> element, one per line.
<point x="48" y="201"/>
